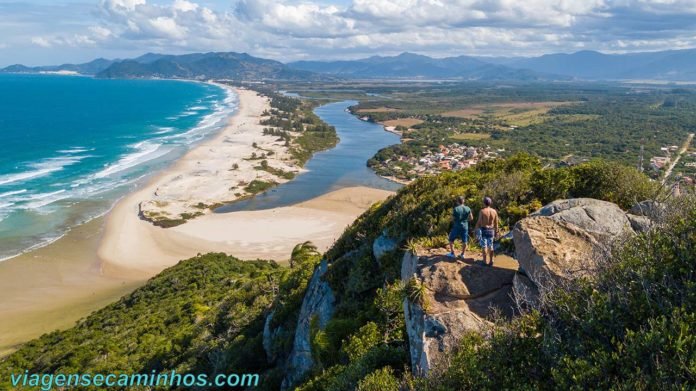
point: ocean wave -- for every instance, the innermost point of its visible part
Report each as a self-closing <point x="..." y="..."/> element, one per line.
<point x="145" y="151"/>
<point x="164" y="130"/>
<point x="40" y="200"/>
<point x="222" y="109"/>
<point x="74" y="150"/>
<point x="41" y="169"/>
<point x="11" y="193"/>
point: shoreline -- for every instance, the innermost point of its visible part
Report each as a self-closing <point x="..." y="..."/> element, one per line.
<point x="98" y="262"/>
<point x="135" y="184"/>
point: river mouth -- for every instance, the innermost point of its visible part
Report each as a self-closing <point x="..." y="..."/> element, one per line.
<point x="343" y="166"/>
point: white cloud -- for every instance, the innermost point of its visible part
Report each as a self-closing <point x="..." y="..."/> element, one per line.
<point x="184" y="6"/>
<point x="41" y="41"/>
<point x="168" y="27"/>
<point x="128" y="5"/>
<point x="291" y="29"/>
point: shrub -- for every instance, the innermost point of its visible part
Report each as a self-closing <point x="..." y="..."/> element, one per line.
<point x="382" y="379"/>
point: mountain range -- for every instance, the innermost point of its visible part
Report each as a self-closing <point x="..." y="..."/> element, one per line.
<point x="671" y="65"/>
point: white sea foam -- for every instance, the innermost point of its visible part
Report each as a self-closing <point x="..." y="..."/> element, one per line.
<point x="38" y="201"/>
<point x="165" y="130"/>
<point x="41" y="169"/>
<point x="74" y="150"/>
<point x="144" y="152"/>
<point x="11" y="193"/>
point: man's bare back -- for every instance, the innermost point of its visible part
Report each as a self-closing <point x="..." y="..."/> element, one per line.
<point x="487" y="218"/>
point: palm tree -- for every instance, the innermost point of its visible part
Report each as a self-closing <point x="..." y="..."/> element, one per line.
<point x="303" y="252"/>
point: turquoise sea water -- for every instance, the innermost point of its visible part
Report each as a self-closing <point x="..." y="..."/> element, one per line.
<point x="70" y="146"/>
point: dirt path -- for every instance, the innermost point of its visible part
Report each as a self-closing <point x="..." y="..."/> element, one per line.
<point x="679" y="155"/>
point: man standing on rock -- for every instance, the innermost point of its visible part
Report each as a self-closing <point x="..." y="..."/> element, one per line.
<point x="461" y="215"/>
<point x="487" y="223"/>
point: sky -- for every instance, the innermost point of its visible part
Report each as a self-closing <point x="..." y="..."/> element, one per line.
<point x="47" y="32"/>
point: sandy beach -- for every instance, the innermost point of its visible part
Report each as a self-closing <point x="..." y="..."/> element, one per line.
<point x="98" y="262"/>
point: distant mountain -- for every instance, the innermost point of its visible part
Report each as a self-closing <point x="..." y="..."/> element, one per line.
<point x="677" y="65"/>
<point x="664" y="65"/>
<point x="189" y="66"/>
<point x="409" y="65"/>
<point x="89" y="68"/>
<point x="671" y="65"/>
<point x="204" y="66"/>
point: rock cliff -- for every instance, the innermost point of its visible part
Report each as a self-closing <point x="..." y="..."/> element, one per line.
<point x="318" y="302"/>
<point x="458" y="296"/>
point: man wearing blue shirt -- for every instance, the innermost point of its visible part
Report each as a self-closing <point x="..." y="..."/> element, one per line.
<point x="461" y="215"/>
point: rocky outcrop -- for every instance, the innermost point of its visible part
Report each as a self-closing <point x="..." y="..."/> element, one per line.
<point x="560" y="239"/>
<point x="382" y="245"/>
<point x="601" y="219"/>
<point x="459" y="297"/>
<point x="318" y="303"/>
<point x="547" y="247"/>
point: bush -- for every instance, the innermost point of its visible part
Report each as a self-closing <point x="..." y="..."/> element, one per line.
<point x="382" y="379"/>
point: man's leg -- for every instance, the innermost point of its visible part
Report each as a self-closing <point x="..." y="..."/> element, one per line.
<point x="451" y="245"/>
<point x="491" y="254"/>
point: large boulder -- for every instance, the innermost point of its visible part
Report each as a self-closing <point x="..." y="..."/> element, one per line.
<point x="459" y="297"/>
<point x="318" y="302"/>
<point x="547" y="247"/>
<point x="560" y="239"/>
<point x="601" y="219"/>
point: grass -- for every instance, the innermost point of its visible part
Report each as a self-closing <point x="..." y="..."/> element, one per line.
<point x="275" y="171"/>
<point x="470" y="136"/>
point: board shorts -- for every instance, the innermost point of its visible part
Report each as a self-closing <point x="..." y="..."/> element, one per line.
<point x="486" y="237"/>
<point x="459" y="232"/>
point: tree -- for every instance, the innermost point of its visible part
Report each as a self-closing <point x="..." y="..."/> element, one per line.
<point x="303" y="252"/>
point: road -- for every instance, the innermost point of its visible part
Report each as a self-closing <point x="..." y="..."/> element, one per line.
<point x="679" y="155"/>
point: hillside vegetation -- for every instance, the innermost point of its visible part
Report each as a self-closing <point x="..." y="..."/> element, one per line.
<point x="630" y="328"/>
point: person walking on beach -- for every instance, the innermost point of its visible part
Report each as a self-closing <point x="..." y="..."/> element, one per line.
<point x="461" y="215"/>
<point x="487" y="223"/>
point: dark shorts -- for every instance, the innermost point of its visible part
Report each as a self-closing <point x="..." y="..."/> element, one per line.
<point x="459" y="232"/>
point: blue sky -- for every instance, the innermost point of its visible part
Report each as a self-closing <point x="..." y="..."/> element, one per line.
<point x="56" y="31"/>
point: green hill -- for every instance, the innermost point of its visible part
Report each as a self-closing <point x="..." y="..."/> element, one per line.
<point x="222" y="65"/>
<point x="631" y="328"/>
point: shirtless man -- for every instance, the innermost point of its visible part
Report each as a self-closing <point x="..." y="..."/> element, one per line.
<point x="487" y="223"/>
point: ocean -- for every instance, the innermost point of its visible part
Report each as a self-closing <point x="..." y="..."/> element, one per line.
<point x="70" y="146"/>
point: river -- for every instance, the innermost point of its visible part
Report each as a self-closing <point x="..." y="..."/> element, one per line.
<point x="342" y="166"/>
